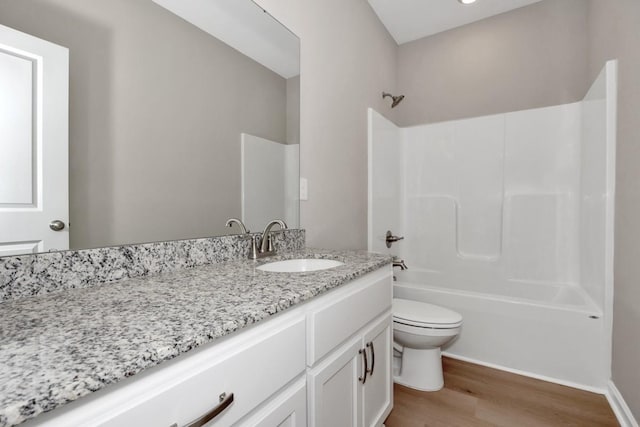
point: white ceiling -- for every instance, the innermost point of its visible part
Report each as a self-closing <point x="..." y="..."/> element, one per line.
<point x="409" y="20"/>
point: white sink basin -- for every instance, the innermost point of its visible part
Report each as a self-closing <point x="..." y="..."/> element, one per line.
<point x="299" y="265"/>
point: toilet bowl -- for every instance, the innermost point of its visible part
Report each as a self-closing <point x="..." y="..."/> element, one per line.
<point x="419" y="330"/>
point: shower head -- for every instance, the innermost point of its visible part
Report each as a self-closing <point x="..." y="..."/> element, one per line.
<point x="396" y="99"/>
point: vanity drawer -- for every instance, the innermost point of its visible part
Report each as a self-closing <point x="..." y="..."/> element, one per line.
<point x="347" y="310"/>
<point x="253" y="365"/>
<point x="242" y="371"/>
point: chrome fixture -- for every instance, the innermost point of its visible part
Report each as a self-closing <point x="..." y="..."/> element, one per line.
<point x="363" y="353"/>
<point x="262" y="246"/>
<point x="396" y="99"/>
<point x="397" y="262"/>
<point x="266" y="245"/>
<point x="224" y="401"/>
<point x="373" y="357"/>
<point x="232" y="221"/>
<point x="390" y="238"/>
<point x="56" y="225"/>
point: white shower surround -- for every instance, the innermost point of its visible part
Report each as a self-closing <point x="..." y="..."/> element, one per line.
<point x="508" y="219"/>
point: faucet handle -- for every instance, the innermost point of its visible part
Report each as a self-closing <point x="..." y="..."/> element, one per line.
<point x="390" y="238"/>
<point x="266" y="244"/>
<point x="270" y="239"/>
<point x="254" y="252"/>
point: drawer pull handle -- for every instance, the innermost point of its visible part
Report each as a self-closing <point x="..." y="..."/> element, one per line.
<point x="373" y="357"/>
<point x="364" y="355"/>
<point x="225" y="401"/>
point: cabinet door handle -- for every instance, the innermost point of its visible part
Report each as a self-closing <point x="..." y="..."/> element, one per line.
<point x="363" y="378"/>
<point x="373" y="357"/>
<point x="225" y="401"/>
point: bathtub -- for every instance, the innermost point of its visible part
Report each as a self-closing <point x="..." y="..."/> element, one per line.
<point x="551" y="332"/>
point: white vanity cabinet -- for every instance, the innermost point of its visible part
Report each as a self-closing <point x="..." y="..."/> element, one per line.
<point x="287" y="409"/>
<point x="235" y="376"/>
<point x="349" y="355"/>
<point x="303" y="367"/>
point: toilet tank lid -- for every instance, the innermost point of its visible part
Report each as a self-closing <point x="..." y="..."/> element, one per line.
<point x="423" y="312"/>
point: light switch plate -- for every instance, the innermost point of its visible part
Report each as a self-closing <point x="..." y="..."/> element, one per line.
<point x="304" y="189"/>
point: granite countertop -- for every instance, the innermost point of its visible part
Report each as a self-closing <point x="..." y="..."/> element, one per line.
<point x="58" y="347"/>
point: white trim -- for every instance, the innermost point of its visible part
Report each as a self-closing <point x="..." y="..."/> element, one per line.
<point x="370" y="112"/>
<point x="571" y="384"/>
<point x="619" y="406"/>
<point x="611" y="82"/>
<point x="243" y="207"/>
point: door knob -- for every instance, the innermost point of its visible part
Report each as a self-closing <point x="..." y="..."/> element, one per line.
<point x="56" y="225"/>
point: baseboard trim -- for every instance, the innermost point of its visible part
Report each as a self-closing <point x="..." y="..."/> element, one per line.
<point x="619" y="406"/>
<point x="571" y="384"/>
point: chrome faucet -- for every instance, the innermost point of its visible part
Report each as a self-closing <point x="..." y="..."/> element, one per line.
<point x="397" y="262"/>
<point x="262" y="246"/>
<point x="232" y="221"/>
<point x="266" y="243"/>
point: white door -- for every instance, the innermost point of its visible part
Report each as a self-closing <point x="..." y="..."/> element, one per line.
<point x="34" y="129"/>
<point x="378" y="389"/>
<point x="335" y="390"/>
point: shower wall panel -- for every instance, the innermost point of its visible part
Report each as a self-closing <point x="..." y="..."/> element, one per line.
<point x="593" y="190"/>
<point x="542" y="182"/>
<point x="478" y="147"/>
<point x="495" y="197"/>
<point x="539" y="239"/>
<point x="458" y="167"/>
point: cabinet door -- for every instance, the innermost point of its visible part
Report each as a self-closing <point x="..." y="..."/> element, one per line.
<point x="334" y="390"/>
<point x="378" y="389"/>
<point x="287" y="409"/>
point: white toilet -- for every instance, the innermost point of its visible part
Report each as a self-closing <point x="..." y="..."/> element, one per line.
<point x="419" y="330"/>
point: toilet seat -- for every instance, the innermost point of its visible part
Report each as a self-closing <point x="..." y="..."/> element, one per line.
<point x="424" y="315"/>
<point x="427" y="325"/>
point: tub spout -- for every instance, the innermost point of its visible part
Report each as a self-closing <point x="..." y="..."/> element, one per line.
<point x="397" y="262"/>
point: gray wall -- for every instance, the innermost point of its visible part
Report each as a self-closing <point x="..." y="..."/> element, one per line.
<point x="614" y="32"/>
<point x="156" y="109"/>
<point x="530" y="57"/>
<point x="347" y="60"/>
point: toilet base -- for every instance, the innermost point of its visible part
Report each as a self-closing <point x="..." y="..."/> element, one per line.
<point x="421" y="369"/>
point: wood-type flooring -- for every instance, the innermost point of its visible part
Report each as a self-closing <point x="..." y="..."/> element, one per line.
<point x="475" y="395"/>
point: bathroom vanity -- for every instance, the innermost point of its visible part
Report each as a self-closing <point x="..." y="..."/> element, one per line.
<point x="225" y="342"/>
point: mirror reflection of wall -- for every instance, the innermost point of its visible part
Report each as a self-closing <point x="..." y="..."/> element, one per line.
<point x="268" y="187"/>
<point x="156" y="110"/>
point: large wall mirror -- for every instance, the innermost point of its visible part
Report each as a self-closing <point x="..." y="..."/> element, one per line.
<point x="182" y="114"/>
